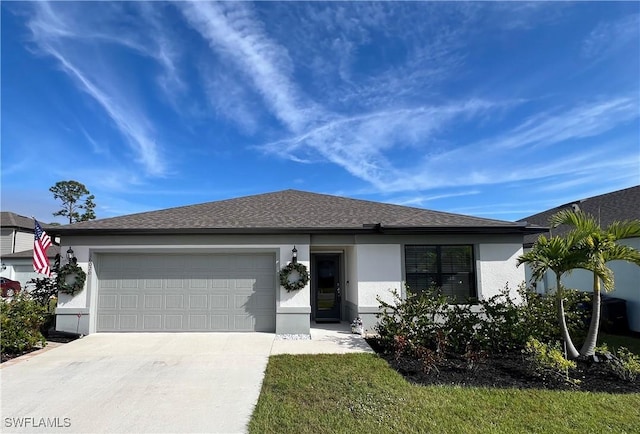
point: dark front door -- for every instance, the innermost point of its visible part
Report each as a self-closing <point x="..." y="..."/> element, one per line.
<point x="327" y="291"/>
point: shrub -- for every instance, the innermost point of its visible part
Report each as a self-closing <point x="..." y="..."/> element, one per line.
<point x="546" y="359"/>
<point x="463" y="328"/>
<point x="414" y="320"/>
<point x="501" y="324"/>
<point x="21" y="319"/>
<point x="44" y="292"/>
<point x="626" y="365"/>
<point x="495" y="325"/>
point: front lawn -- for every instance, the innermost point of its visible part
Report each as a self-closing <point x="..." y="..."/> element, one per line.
<point x="360" y="393"/>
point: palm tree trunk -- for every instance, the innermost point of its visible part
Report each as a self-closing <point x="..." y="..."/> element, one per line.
<point x="572" y="352"/>
<point x="588" y="348"/>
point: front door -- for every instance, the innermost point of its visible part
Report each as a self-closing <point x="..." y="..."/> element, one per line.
<point x="327" y="291"/>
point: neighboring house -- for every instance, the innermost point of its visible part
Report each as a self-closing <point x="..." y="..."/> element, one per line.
<point x="619" y="205"/>
<point x="19" y="266"/>
<point x="214" y="266"/>
<point x="16" y="245"/>
<point x="16" y="233"/>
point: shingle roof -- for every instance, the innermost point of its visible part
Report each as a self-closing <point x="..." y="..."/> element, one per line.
<point x="13" y="220"/>
<point x="286" y="211"/>
<point x="618" y="205"/>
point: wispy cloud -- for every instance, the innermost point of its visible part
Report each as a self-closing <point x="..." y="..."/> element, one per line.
<point x="609" y="36"/>
<point x="560" y="125"/>
<point x="57" y="34"/>
<point x="233" y="33"/>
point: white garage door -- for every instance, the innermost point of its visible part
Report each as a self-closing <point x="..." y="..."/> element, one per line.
<point x="215" y="292"/>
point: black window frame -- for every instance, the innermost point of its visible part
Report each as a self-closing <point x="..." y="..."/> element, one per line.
<point x="437" y="276"/>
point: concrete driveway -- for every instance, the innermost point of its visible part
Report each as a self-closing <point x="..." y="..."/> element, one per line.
<point x="142" y="383"/>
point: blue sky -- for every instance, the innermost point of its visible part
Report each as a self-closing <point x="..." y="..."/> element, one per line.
<point x="498" y="110"/>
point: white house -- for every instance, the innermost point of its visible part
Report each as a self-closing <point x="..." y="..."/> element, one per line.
<point x="214" y="266"/>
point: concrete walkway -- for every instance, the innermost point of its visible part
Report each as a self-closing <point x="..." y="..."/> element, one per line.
<point x="150" y="382"/>
<point x="326" y="338"/>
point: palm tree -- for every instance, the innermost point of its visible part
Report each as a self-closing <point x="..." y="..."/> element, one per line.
<point x="558" y="255"/>
<point x="598" y="246"/>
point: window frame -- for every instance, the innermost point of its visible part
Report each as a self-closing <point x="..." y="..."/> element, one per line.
<point x="440" y="275"/>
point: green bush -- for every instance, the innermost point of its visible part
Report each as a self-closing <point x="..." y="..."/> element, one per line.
<point x="412" y="322"/>
<point x="21" y="319"/>
<point x="547" y="356"/>
<point x="626" y="365"/>
<point x="424" y="321"/>
<point x="45" y="292"/>
<point x="548" y="360"/>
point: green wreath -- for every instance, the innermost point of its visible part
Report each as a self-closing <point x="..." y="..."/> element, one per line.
<point x="78" y="283"/>
<point x="296" y="284"/>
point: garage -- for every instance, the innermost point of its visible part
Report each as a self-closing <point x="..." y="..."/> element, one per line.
<point x="186" y="292"/>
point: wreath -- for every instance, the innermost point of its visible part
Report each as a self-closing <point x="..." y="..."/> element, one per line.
<point x="294" y="285"/>
<point x="78" y="282"/>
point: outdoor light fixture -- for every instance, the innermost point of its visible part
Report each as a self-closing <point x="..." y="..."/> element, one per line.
<point x="71" y="257"/>
<point x="3" y="267"/>
<point x="294" y="255"/>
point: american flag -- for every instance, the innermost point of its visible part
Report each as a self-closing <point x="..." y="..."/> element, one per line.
<point x="41" y="243"/>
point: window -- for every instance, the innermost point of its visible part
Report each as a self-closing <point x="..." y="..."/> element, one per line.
<point x="449" y="268"/>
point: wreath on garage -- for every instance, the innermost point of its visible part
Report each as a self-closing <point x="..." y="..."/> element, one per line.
<point x="69" y="285"/>
<point x="294" y="285"/>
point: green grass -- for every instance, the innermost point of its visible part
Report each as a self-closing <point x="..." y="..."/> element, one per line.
<point x="360" y="393"/>
<point x="615" y="341"/>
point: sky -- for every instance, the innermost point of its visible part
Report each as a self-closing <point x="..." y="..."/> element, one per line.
<point x="492" y="109"/>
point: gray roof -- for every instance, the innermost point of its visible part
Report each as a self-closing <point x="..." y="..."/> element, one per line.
<point x="10" y="219"/>
<point x="618" y="205"/>
<point x="290" y="211"/>
<point x="13" y="220"/>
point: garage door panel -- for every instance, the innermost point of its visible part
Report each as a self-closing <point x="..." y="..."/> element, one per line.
<point x="186" y="292"/>
<point x="107" y="322"/>
<point x="152" y="322"/>
<point x="128" y="322"/>
<point x="198" y="322"/>
<point x="152" y="284"/>
<point x="219" y="322"/>
<point x="129" y="301"/>
<point x="219" y="302"/>
<point x="107" y="301"/>
<point x="174" y="301"/>
<point x="199" y="301"/>
<point x="153" y="301"/>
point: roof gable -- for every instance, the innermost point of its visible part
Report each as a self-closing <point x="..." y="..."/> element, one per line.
<point x="285" y="210"/>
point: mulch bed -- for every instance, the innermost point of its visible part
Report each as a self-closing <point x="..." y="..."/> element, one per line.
<point x="508" y="371"/>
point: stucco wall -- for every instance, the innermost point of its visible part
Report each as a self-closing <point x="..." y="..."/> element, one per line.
<point x="497" y="267"/>
<point x="379" y="270"/>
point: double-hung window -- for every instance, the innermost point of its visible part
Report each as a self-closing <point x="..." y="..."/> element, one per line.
<point x="450" y="269"/>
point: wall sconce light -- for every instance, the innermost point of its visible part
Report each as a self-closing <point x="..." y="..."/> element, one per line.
<point x="71" y="257"/>
<point x="294" y="255"/>
<point x="3" y="267"/>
